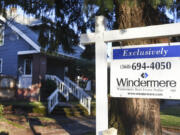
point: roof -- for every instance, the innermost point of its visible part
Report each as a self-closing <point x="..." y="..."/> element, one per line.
<point x="21" y="32"/>
<point x="32" y="38"/>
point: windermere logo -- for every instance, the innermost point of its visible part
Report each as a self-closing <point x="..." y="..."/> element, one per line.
<point x="125" y="82"/>
<point x="144" y="75"/>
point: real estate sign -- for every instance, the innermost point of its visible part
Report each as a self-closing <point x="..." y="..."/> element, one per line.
<point x="150" y="71"/>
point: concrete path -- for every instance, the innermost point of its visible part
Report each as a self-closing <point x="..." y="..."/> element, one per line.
<point x="76" y="125"/>
<point x="65" y="126"/>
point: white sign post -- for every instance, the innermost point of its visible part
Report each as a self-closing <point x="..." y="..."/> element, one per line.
<point x="100" y="37"/>
<point x="101" y="75"/>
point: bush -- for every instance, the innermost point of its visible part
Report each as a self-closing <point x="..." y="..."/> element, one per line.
<point x="39" y="108"/>
<point x="48" y="87"/>
<point x="1" y="109"/>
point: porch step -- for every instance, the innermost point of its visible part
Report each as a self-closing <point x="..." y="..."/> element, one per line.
<point x="69" y="109"/>
<point x="64" y="104"/>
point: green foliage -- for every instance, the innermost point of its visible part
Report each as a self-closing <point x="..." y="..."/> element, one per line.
<point x="108" y="5"/>
<point x="59" y="18"/>
<point x="51" y="85"/>
<point x="84" y="67"/>
<point x="1" y="109"/>
<point x="39" y="110"/>
<point x="48" y="87"/>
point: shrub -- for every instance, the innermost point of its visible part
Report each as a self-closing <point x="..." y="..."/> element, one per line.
<point x="38" y="108"/>
<point x="48" y="87"/>
<point x="1" y="109"/>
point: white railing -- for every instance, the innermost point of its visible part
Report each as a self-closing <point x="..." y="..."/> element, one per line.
<point x="79" y="93"/>
<point x="53" y="100"/>
<point x="66" y="88"/>
<point x="61" y="86"/>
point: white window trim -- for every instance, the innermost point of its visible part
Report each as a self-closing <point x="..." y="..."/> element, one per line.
<point x="1" y="66"/>
<point x="3" y="37"/>
<point x="25" y="68"/>
<point x="27" y="52"/>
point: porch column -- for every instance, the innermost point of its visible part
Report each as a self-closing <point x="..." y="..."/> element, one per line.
<point x="39" y="68"/>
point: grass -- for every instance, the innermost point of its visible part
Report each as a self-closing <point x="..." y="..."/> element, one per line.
<point x="23" y="103"/>
<point x="11" y="123"/>
<point x="31" y="107"/>
<point x="46" y="119"/>
<point x="170" y="121"/>
<point x="170" y="117"/>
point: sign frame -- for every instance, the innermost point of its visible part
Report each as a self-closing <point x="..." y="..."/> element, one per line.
<point x="100" y="37"/>
<point x="126" y="89"/>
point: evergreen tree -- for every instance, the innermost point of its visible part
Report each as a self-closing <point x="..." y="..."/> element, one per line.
<point x="62" y="20"/>
<point x="134" y="116"/>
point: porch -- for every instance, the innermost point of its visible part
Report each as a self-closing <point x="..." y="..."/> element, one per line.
<point x="32" y="68"/>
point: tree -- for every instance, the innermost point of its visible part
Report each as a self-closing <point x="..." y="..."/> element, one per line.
<point x="135" y="116"/>
<point x="62" y="21"/>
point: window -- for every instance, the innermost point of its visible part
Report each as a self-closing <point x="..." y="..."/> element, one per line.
<point x="1" y="62"/>
<point x="1" y="35"/>
<point x="27" y="67"/>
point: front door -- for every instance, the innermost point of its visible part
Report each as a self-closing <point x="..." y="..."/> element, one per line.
<point x="25" y="80"/>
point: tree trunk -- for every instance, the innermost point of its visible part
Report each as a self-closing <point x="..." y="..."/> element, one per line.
<point x="136" y="116"/>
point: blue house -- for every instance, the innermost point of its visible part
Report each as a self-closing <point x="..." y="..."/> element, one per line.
<point x="21" y="56"/>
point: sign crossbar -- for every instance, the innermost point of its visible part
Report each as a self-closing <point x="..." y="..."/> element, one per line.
<point x="156" y="31"/>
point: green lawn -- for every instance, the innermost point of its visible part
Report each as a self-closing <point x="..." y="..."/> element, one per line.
<point x="170" y="117"/>
<point x="31" y="107"/>
<point x="11" y="123"/>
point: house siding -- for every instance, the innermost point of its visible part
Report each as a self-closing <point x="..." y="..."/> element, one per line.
<point x="8" y="52"/>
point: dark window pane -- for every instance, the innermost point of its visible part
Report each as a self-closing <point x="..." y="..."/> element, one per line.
<point x="0" y="65"/>
<point x="28" y="67"/>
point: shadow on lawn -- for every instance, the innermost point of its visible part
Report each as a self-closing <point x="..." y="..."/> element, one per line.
<point x="34" y="122"/>
<point x="32" y="112"/>
<point x="74" y="125"/>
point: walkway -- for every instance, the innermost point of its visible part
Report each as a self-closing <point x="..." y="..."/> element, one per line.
<point x="55" y="125"/>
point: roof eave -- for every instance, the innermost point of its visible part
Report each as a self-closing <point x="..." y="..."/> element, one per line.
<point x="21" y="34"/>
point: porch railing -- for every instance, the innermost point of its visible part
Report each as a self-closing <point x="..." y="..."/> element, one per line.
<point x="66" y="88"/>
<point x="79" y="93"/>
<point x="61" y="86"/>
<point x="53" y="100"/>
